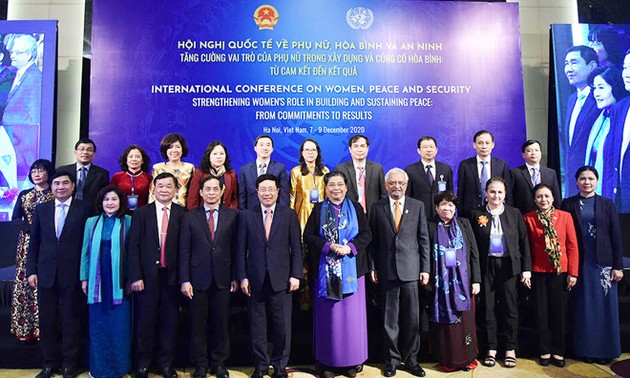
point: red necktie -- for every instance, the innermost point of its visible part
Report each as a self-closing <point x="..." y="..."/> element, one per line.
<point x="268" y="213"/>
<point x="211" y="223"/>
<point x="362" y="188"/>
<point x="163" y="236"/>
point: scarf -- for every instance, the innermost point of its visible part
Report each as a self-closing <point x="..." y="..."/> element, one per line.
<point x="552" y="245"/>
<point x="337" y="274"/>
<point x="452" y="289"/>
<point x="217" y="172"/>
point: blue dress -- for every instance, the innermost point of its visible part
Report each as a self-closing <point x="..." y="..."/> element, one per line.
<point x="110" y="324"/>
<point x="594" y="304"/>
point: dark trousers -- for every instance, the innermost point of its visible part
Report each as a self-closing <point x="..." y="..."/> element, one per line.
<point x="156" y="311"/>
<point x="500" y="298"/>
<point x="276" y="305"/>
<point x="62" y="311"/>
<point x="550" y="298"/>
<point x="209" y="311"/>
<point x="401" y="316"/>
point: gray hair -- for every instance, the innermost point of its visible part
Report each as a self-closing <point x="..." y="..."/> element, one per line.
<point x="394" y="171"/>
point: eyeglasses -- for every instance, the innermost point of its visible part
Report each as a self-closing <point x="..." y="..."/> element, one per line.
<point x="267" y="190"/>
<point x="309" y="150"/>
<point x="396" y="183"/>
<point x="38" y="170"/>
<point x="88" y="150"/>
<point x="333" y="185"/>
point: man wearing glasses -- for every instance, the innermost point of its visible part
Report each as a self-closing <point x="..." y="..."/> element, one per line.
<point x="90" y="178"/>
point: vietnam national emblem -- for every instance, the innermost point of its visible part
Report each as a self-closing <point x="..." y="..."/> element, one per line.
<point x="266" y="17"/>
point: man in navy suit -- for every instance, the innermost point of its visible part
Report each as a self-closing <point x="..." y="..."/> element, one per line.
<point x="400" y="250"/>
<point x="582" y="112"/>
<point x="269" y="268"/>
<point x="153" y="247"/>
<point x="89" y="178"/>
<point x="428" y="177"/>
<point x="207" y="240"/>
<point x="366" y="183"/>
<point x="24" y="100"/>
<point x="473" y="173"/>
<point x="532" y="173"/>
<point x="52" y="266"/>
<point x="247" y="196"/>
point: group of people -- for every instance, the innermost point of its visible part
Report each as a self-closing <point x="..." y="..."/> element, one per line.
<point x="203" y="233"/>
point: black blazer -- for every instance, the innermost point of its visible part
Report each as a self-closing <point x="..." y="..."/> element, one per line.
<point x="401" y="254"/>
<point x="515" y="234"/>
<point x="57" y="261"/>
<point x="144" y="245"/>
<point x="374" y="184"/>
<point x="611" y="187"/>
<point x="609" y="248"/>
<point x="469" y="187"/>
<point x="280" y="256"/>
<point x="201" y="259"/>
<point x="316" y="243"/>
<point x="97" y="179"/>
<point x="247" y="196"/>
<point x="419" y="187"/>
<point x="472" y="254"/>
<point x="522" y="196"/>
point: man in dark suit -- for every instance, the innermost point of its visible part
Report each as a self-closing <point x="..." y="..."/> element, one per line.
<point x="52" y="266"/>
<point x="365" y="177"/>
<point x="400" y="250"/>
<point x="247" y="196"/>
<point x="428" y="177"/>
<point x="582" y="112"/>
<point x="89" y="178"/>
<point x="207" y="240"/>
<point x="269" y="268"/>
<point x="23" y="103"/>
<point x="153" y="247"/>
<point x="525" y="177"/>
<point x="473" y="174"/>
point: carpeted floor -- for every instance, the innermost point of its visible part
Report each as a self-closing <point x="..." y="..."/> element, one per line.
<point x="526" y="368"/>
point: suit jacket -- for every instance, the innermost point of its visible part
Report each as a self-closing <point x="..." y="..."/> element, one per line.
<point x="97" y="179"/>
<point x="316" y="243"/>
<point x="374" y="184"/>
<point x="515" y="234"/>
<point x="611" y="185"/>
<point x="144" y="245"/>
<point x="230" y="194"/>
<point x="522" y="196"/>
<point x="201" y="259"/>
<point x="401" y="254"/>
<point x="576" y="152"/>
<point x="469" y="187"/>
<point x="472" y="254"/>
<point x="57" y="261"/>
<point x="609" y="247"/>
<point x="247" y="196"/>
<point x="280" y="257"/>
<point x="25" y="99"/>
<point x="419" y="187"/>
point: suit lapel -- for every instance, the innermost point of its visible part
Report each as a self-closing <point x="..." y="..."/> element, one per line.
<point x="528" y="176"/>
<point x="201" y="218"/>
<point x="259" y="221"/>
<point x="153" y="222"/>
<point x="352" y="176"/>
<point x="274" y="222"/>
<point x="389" y="215"/>
<point x="473" y="166"/>
<point x="70" y="218"/>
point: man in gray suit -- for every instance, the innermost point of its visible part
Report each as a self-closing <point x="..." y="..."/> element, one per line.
<point x="365" y="177"/>
<point x="400" y="250"/>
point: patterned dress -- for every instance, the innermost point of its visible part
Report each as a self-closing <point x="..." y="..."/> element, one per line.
<point x="182" y="175"/>
<point x="24" y="311"/>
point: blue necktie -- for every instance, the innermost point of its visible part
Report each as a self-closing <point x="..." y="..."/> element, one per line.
<point x="535" y="176"/>
<point x="80" y="183"/>
<point x="61" y="220"/>
<point x="485" y="176"/>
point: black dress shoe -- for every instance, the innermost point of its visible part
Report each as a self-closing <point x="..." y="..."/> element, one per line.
<point x="603" y="361"/>
<point x="389" y="370"/>
<point x="141" y="373"/>
<point x="416" y="370"/>
<point x="359" y="368"/>
<point x="45" y="373"/>
<point x="352" y="372"/>
<point x="168" y="372"/>
<point x="544" y="361"/>
<point x="220" y="372"/>
<point x="200" y="372"/>
<point x="70" y="373"/>
<point x="259" y="373"/>
<point x="558" y="363"/>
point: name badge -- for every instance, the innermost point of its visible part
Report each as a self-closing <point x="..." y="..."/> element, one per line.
<point x="496" y="245"/>
<point x="132" y="201"/>
<point x="314" y="195"/>
<point x="441" y="186"/>
<point x="449" y="257"/>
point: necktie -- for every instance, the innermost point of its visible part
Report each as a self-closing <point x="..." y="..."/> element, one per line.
<point x="262" y="168"/>
<point x="535" y="176"/>
<point x="81" y="183"/>
<point x="430" y="175"/>
<point x="362" y="188"/>
<point x="211" y="223"/>
<point x="397" y="215"/>
<point x="163" y="236"/>
<point x="61" y="219"/>
<point x="485" y="176"/>
<point x="268" y="213"/>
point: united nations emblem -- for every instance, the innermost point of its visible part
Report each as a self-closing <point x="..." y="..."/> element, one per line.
<point x="266" y="17"/>
<point x="359" y="18"/>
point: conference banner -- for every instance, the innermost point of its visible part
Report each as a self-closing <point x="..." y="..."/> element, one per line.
<point x="232" y="70"/>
